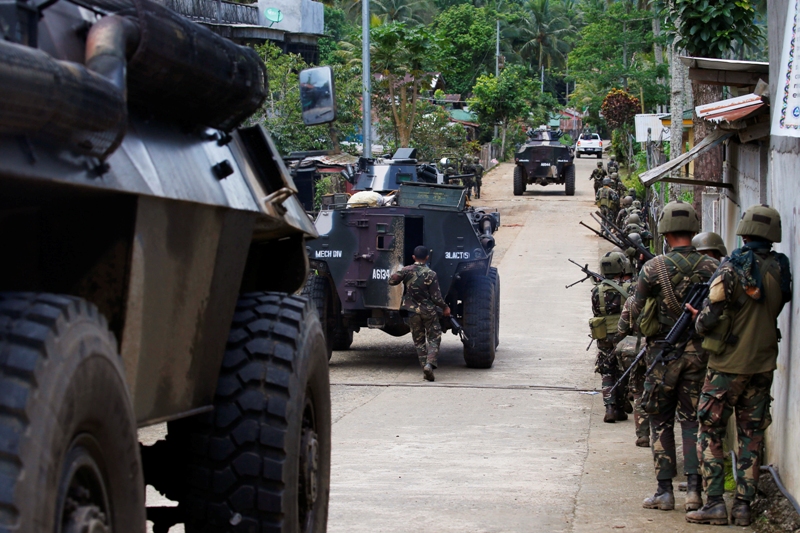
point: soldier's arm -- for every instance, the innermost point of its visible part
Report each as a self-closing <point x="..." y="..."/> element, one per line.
<point x="643" y="291"/>
<point x="624" y="325"/>
<point x="435" y="292"/>
<point x="719" y="295"/>
<point x="398" y="277"/>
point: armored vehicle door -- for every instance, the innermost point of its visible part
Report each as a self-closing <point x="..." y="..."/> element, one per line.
<point x="379" y="255"/>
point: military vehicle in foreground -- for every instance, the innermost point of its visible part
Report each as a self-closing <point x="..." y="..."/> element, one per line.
<point x="151" y="250"/>
<point x="544" y="160"/>
<point x="362" y="243"/>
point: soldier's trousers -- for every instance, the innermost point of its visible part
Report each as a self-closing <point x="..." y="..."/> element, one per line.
<point x="478" y="183"/>
<point x="427" y="334"/>
<point x="606" y="365"/>
<point x="636" y="387"/>
<point x="723" y="394"/>
<point x="673" y="388"/>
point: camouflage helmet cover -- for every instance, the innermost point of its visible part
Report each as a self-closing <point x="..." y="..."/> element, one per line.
<point x="606" y="181"/>
<point x="612" y="264"/>
<point x="634" y="219"/>
<point x="761" y="221"/>
<point x="709" y="240"/>
<point x="627" y="201"/>
<point x="678" y="216"/>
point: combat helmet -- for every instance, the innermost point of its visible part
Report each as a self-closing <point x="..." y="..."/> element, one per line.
<point x="627" y="267"/>
<point x="632" y="192"/>
<point x="627" y="201"/>
<point x="612" y="157"/>
<point x="612" y="264"/>
<point x="636" y="238"/>
<point x="761" y="221"/>
<point x="708" y="240"/>
<point x="599" y="164"/>
<point x="637" y="204"/>
<point x="678" y="216"/>
<point x="606" y="182"/>
<point x="616" y="249"/>
<point x="634" y="219"/>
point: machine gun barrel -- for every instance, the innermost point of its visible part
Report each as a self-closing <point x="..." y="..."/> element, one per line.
<point x="607" y="237"/>
<point x="447" y="178"/>
<point x="589" y="274"/>
<point x="626" y="240"/>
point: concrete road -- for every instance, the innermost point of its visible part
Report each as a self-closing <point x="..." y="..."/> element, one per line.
<point x="520" y="447"/>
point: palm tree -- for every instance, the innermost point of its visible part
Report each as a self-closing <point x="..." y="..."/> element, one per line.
<point x="408" y="11"/>
<point x="546" y="33"/>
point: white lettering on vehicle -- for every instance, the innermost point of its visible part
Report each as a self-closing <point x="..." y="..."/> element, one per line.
<point x="327" y="253"/>
<point x="456" y="255"/>
<point x="381" y="273"/>
<point x="544" y="164"/>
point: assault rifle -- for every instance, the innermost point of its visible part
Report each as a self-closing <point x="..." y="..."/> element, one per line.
<point x="447" y="179"/>
<point x="677" y="338"/>
<point x="625" y="239"/>
<point x="589" y="274"/>
<point x="457" y="329"/>
<point x="607" y="236"/>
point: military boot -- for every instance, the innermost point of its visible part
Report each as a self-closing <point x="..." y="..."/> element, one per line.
<point x="713" y="512"/>
<point x="663" y="499"/>
<point x="620" y="415"/>
<point x="694" y="500"/>
<point x="428" y="372"/>
<point x="611" y="414"/>
<point x="643" y="442"/>
<point x="740" y="512"/>
<point x="627" y="406"/>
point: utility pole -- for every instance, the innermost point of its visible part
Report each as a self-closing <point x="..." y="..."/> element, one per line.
<point x="497" y="64"/>
<point x="366" y="81"/>
<point x="542" y="81"/>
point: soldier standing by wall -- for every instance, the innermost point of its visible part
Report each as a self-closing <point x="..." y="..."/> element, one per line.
<point x="597" y="175"/>
<point x="673" y="385"/>
<point x="739" y="321"/>
<point x="710" y="244"/>
<point x="612" y="166"/>
<point x="630" y="334"/>
<point x="607" y="299"/>
<point x="420" y="299"/>
<point x="607" y="200"/>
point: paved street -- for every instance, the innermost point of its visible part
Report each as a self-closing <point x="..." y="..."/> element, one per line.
<point x="520" y="447"/>
<point x="517" y="448"/>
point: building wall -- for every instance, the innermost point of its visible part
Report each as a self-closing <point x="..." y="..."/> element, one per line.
<point x="783" y="447"/>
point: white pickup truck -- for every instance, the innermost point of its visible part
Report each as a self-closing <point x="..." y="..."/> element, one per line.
<point x="589" y="143"/>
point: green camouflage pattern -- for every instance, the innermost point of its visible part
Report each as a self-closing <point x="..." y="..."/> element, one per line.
<point x="612" y="166"/>
<point x="674" y="388"/>
<point x="626" y="350"/>
<point x="422" y="294"/>
<point x="607" y="200"/>
<point x="476" y="169"/>
<point x="606" y="362"/>
<point x="597" y="175"/>
<point x="427" y="335"/>
<point x="746" y="396"/>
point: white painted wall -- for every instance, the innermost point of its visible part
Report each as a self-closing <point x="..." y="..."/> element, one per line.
<point x="299" y="16"/>
<point x="783" y="446"/>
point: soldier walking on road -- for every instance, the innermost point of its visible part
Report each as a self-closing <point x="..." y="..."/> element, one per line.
<point x="607" y="299"/>
<point x="673" y="385"/>
<point x="420" y="299"/>
<point x="598" y="175"/>
<point x="739" y="321"/>
<point x="612" y="166"/>
<point x="627" y="349"/>
<point x="477" y="168"/>
<point x="607" y="200"/>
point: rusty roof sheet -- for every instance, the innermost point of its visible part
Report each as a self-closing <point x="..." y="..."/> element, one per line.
<point x="732" y="109"/>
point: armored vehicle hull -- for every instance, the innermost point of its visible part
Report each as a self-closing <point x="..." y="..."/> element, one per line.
<point x="361" y="247"/>
<point x="151" y="250"/>
<point x="543" y="160"/>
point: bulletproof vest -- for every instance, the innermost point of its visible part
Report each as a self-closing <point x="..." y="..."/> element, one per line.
<point x="605" y="324"/>
<point x="605" y="198"/>
<point x="746" y="339"/>
<point x="680" y="272"/>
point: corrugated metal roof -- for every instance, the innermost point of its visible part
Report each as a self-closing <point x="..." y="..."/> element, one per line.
<point x="732" y="109"/>
<point x="729" y="65"/>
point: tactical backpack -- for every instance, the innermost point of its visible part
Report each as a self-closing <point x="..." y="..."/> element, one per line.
<point x="605" y="325"/>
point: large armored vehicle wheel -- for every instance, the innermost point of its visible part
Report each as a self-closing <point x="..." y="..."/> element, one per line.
<point x="577" y="154"/>
<point x="337" y="335"/>
<point x="69" y="455"/>
<point x="519" y="181"/>
<point x="495" y="276"/>
<point x="569" y="180"/>
<point x="261" y="460"/>
<point x="480" y="322"/>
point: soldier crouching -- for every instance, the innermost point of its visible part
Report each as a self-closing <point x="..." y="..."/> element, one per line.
<point x="421" y="298"/>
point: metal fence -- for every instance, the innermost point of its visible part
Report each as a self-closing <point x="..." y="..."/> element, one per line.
<point x="217" y="11"/>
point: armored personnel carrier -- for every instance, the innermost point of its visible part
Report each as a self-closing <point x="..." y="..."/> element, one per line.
<point x="543" y="160"/>
<point x="151" y="250"/>
<point x="361" y="246"/>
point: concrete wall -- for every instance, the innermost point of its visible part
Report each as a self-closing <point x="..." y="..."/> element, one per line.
<point x="303" y="16"/>
<point x="783" y="447"/>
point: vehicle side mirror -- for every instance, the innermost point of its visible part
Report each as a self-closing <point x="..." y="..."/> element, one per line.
<point x="317" y="95"/>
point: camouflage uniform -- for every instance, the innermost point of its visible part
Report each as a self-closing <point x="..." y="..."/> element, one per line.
<point x="469" y="182"/>
<point x="674" y="385"/>
<point x="641" y="230"/>
<point x="597" y="175"/>
<point x="607" y="302"/>
<point x="627" y="350"/>
<point x="478" y="169"/>
<point x="740" y="367"/>
<point x="608" y="202"/>
<point x="421" y="298"/>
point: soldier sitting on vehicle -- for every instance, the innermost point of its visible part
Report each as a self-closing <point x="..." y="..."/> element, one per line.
<point x="710" y="244"/>
<point x="421" y="298"/>
<point x="607" y="200"/>
<point x="598" y="175"/>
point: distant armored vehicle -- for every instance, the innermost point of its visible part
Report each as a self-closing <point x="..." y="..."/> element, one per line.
<point x="360" y="247"/>
<point x="151" y="248"/>
<point x="543" y="160"/>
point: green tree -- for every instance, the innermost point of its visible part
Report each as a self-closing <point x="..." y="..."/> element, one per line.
<point x="547" y="34"/>
<point x="467" y="41"/>
<point x="501" y="100"/>
<point x="400" y="56"/>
